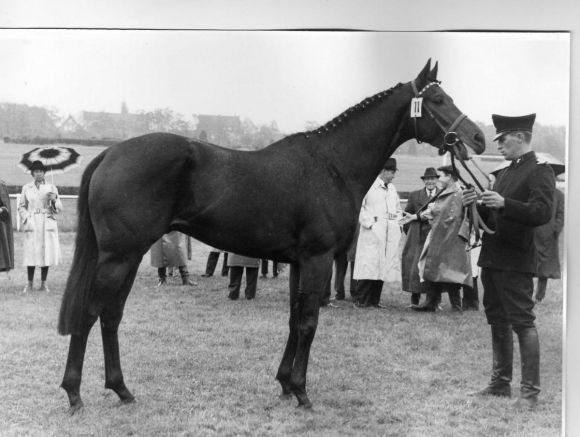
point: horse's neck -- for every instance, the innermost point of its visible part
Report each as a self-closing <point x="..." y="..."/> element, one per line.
<point x="361" y="146"/>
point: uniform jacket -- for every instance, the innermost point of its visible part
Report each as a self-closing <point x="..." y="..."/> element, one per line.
<point x="377" y="250"/>
<point x="38" y="217"/>
<point x="546" y="240"/>
<point x="416" y="235"/>
<point x="170" y="250"/>
<point x="528" y="188"/>
<point x="444" y="258"/>
<point x="6" y="233"/>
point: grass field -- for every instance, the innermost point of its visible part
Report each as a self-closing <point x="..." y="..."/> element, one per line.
<point x="201" y="365"/>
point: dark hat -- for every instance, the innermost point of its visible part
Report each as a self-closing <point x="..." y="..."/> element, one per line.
<point x="391" y="164"/>
<point x="449" y="170"/>
<point x="37" y="165"/>
<point x="430" y="172"/>
<point x="505" y="124"/>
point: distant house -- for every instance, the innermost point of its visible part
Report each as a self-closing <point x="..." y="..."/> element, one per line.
<point x="70" y="128"/>
<point x="112" y="125"/>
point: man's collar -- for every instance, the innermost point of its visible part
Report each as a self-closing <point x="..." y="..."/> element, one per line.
<point x="525" y="157"/>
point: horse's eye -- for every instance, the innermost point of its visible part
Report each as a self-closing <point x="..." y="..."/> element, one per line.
<point x="438" y="99"/>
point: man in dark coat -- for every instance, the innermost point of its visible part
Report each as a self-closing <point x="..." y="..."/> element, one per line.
<point x="546" y="241"/>
<point x="520" y="201"/>
<point x="6" y="233"/>
<point x="416" y="229"/>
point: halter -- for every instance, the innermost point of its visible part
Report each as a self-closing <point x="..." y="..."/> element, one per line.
<point x="446" y="132"/>
<point x="451" y="143"/>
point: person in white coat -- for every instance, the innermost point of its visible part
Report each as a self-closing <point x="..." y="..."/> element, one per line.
<point x="377" y="253"/>
<point x="38" y="206"/>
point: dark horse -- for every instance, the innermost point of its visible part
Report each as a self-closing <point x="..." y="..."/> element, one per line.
<point x="296" y="201"/>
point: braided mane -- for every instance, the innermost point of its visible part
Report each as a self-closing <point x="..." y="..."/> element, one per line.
<point x="353" y="109"/>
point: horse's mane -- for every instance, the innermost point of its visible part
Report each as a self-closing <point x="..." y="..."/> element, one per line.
<point x="350" y="111"/>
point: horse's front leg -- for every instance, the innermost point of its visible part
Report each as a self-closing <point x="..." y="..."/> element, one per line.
<point x="285" y="369"/>
<point x="314" y="274"/>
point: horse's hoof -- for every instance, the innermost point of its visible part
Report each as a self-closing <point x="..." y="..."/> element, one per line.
<point x="305" y="406"/>
<point x="75" y="409"/>
<point x="127" y="401"/>
<point x="285" y="396"/>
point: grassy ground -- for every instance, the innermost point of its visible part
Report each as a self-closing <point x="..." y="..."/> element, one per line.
<point x="201" y="365"/>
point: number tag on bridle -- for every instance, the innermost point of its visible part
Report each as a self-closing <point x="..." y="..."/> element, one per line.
<point x="416" y="107"/>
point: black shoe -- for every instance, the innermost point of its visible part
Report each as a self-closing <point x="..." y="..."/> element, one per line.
<point x="503" y="391"/>
<point x="206" y="275"/>
<point x="425" y="308"/>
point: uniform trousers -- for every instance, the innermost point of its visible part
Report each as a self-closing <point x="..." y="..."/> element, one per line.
<point x="507" y="297"/>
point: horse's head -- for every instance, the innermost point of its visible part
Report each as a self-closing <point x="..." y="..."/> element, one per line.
<point x="436" y="120"/>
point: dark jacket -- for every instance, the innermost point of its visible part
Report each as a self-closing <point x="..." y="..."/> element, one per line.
<point x="6" y="234"/>
<point x="546" y="240"/>
<point x="416" y="234"/>
<point x="528" y="189"/>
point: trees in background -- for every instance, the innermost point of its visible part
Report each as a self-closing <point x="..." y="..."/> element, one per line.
<point x="28" y="122"/>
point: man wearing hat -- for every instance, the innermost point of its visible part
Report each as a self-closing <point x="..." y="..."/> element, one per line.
<point x="376" y="259"/>
<point x="416" y="229"/>
<point x="520" y="201"/>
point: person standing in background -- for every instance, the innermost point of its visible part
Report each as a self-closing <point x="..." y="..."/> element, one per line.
<point x="6" y="233"/>
<point x="212" y="261"/>
<point x="546" y="240"/>
<point x="378" y="242"/>
<point x="236" y="264"/>
<point x="444" y="261"/>
<point x="171" y="251"/>
<point x="416" y="229"/>
<point x="38" y="207"/>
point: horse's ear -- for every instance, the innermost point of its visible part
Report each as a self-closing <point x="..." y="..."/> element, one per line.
<point x="422" y="77"/>
<point x="433" y="73"/>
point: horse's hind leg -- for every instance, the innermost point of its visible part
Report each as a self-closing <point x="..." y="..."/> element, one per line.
<point x="71" y="381"/>
<point x="110" y="318"/>
<point x="285" y="369"/>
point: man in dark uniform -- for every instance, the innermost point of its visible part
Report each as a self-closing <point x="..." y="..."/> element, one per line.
<point x="521" y="200"/>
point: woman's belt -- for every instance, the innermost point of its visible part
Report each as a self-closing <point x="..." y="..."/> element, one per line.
<point x="39" y="211"/>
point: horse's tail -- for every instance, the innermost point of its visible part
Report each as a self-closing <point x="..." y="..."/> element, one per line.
<point x="78" y="290"/>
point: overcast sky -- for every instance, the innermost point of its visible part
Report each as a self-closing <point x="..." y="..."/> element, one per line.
<point x="289" y="77"/>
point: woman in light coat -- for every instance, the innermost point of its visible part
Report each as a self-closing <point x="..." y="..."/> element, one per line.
<point x="171" y="251"/>
<point x="377" y="250"/>
<point x="38" y="206"/>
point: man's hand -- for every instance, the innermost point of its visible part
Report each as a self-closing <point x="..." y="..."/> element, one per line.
<point x="468" y="196"/>
<point x="407" y="218"/>
<point x="492" y="200"/>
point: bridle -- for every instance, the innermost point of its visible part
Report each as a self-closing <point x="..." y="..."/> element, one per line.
<point x="452" y="144"/>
